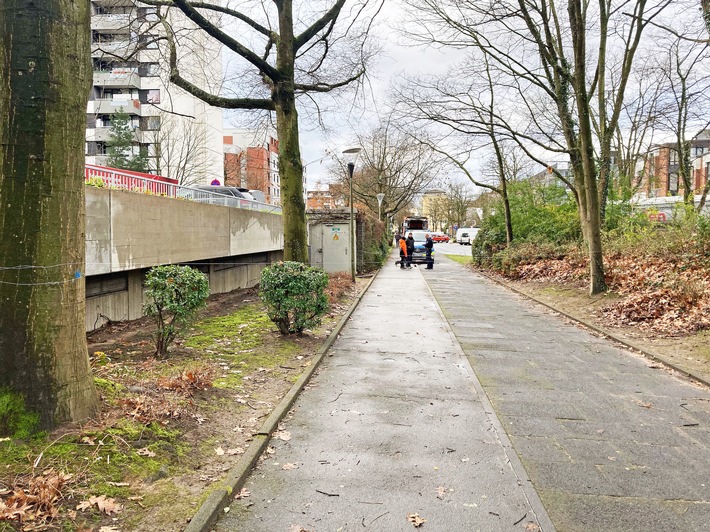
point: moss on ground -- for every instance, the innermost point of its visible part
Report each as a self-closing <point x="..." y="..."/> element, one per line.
<point x="237" y="342"/>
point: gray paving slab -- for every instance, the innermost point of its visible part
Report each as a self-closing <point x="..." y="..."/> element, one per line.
<point x="394" y="414"/>
<point x="609" y="442"/>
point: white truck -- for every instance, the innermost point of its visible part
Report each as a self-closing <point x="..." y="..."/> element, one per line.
<point x="465" y="235"/>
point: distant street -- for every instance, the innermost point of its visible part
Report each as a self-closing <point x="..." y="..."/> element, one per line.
<point x="452" y="248"/>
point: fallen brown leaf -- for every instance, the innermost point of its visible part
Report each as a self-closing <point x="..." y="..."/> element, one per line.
<point x="145" y="452"/>
<point x="416" y="520"/>
<point x="243" y="494"/>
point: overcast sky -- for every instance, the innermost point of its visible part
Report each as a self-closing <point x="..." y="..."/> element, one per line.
<point x="397" y="58"/>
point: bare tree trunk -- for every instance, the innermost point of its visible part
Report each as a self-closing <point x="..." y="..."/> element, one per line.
<point x="585" y="168"/>
<point x="45" y="77"/>
<point x="290" y="165"/>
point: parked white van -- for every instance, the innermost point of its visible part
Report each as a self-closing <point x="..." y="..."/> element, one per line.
<point x="465" y="235"/>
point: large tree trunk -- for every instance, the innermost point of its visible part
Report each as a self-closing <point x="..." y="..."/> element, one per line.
<point x="290" y="165"/>
<point x="45" y="77"/>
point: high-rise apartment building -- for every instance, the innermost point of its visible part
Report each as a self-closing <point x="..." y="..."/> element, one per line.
<point x="181" y="134"/>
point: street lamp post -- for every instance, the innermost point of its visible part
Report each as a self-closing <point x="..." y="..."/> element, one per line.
<point x="380" y="197"/>
<point x="350" y="157"/>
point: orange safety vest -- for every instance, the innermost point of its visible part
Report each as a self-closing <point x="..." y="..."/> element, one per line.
<point x="403" y="246"/>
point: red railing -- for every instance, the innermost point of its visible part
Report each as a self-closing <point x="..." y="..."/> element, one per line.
<point x="129" y="180"/>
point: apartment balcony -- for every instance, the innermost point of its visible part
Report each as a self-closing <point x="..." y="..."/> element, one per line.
<point x="98" y="134"/>
<point x="113" y="3"/>
<point x="109" y="106"/>
<point x="117" y="23"/>
<point x="118" y="78"/>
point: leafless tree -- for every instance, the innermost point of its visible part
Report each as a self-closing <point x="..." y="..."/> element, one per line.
<point x="291" y="49"/>
<point x="395" y="163"/>
<point x="457" y="202"/>
<point x="635" y="129"/>
<point x="181" y="148"/>
<point x="552" y="68"/>
<point x="683" y="68"/>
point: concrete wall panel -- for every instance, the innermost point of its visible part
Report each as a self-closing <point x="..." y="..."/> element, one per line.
<point x="128" y="231"/>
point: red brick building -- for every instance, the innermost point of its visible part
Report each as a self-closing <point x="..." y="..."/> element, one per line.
<point x="659" y="177"/>
<point x="253" y="162"/>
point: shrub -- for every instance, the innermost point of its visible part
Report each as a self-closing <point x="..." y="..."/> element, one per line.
<point x="294" y="295"/>
<point x="175" y="294"/>
<point x="375" y="243"/>
<point x="95" y="181"/>
<point x="539" y="213"/>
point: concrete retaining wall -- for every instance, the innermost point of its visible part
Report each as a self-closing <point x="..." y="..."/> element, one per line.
<point x="127" y="233"/>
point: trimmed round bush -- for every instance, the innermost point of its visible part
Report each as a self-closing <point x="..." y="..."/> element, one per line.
<point x="294" y="295"/>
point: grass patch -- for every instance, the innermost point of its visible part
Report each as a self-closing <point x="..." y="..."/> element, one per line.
<point x="461" y="259"/>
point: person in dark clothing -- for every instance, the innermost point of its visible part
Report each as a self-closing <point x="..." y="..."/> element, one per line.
<point x="429" y="246"/>
<point x="410" y="249"/>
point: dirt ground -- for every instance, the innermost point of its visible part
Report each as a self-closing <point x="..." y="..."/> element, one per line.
<point x="689" y="353"/>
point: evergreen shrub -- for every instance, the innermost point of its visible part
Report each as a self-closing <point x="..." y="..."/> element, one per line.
<point x="294" y="295"/>
<point x="174" y="294"/>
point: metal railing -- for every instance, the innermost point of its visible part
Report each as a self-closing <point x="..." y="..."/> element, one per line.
<point x="102" y="176"/>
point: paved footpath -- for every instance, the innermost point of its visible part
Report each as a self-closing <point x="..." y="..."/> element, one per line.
<point x="397" y="423"/>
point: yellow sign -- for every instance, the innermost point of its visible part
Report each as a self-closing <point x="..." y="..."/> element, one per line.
<point x="336" y="237"/>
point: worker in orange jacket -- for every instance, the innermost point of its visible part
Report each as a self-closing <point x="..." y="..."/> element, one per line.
<point x="402" y="252"/>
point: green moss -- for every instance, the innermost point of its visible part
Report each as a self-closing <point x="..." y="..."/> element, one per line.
<point x="237" y="341"/>
<point x="109" y="389"/>
<point x="242" y="329"/>
<point x="15" y="420"/>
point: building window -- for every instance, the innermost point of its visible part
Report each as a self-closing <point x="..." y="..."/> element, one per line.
<point x="149" y="70"/>
<point x="148" y="42"/>
<point x="699" y="150"/>
<point x="96" y="148"/>
<point x="99" y="285"/>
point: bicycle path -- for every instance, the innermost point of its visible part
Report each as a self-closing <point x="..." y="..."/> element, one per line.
<point x="611" y="440"/>
<point x="392" y="425"/>
<point x="396" y="423"/>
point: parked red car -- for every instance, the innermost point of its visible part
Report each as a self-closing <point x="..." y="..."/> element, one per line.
<point x="439" y="237"/>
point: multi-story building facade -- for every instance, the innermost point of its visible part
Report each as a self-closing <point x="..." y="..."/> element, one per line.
<point x="181" y="134"/>
<point x="659" y="174"/>
<point x="251" y="160"/>
<point x="333" y="197"/>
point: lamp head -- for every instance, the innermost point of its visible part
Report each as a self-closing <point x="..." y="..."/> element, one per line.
<point x="350" y="155"/>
